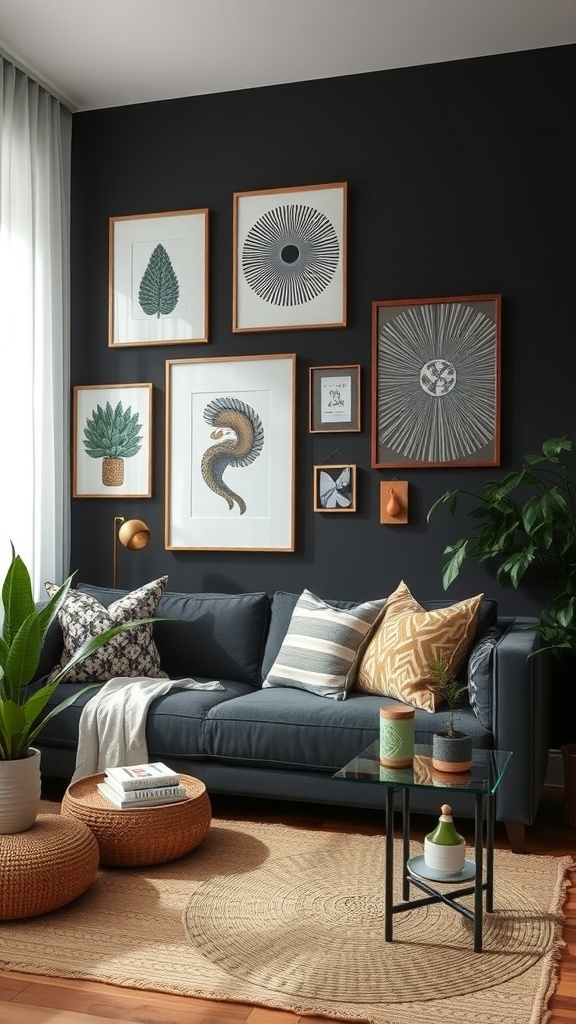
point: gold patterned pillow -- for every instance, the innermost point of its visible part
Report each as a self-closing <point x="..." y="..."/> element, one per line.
<point x="397" y="659"/>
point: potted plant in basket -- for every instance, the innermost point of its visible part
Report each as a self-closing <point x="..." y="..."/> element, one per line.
<point x="22" y="707"/>
<point x="451" y="749"/>
<point x="526" y="522"/>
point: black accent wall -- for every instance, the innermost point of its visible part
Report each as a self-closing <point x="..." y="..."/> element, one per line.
<point x="461" y="180"/>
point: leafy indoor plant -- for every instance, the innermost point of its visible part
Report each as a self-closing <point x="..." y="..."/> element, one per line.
<point x="451" y="749"/>
<point x="22" y="707"/>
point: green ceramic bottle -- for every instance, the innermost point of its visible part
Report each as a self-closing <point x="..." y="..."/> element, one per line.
<point x="444" y="848"/>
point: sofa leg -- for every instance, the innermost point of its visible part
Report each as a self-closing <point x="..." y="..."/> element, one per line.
<point x="516" y="832"/>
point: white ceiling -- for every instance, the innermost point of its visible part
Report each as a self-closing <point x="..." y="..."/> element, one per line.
<point x="106" y="53"/>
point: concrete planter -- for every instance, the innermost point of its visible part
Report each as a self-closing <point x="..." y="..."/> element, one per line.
<point x="451" y="753"/>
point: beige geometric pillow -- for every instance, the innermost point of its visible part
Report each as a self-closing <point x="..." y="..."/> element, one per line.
<point x="396" y="661"/>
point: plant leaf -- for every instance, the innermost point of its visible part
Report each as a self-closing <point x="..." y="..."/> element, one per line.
<point x="457" y="554"/>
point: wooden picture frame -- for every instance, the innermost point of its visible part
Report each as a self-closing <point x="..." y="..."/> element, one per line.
<point x="112" y="441"/>
<point x="436" y="382"/>
<point x="158" y="279"/>
<point x="230" y="427"/>
<point x="335" y="488"/>
<point x="289" y="258"/>
<point x="334" y="399"/>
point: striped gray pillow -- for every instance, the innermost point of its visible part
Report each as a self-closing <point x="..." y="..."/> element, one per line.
<point x="323" y="646"/>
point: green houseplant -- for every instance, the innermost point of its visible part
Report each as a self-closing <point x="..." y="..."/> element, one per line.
<point x="525" y="523"/>
<point x="23" y="707"/>
<point x="451" y="749"/>
<point x="112" y="435"/>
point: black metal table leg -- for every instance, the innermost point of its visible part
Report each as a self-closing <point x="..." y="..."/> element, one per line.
<point x="478" y="891"/>
<point x="405" y="842"/>
<point x="490" y="853"/>
<point x="389" y="864"/>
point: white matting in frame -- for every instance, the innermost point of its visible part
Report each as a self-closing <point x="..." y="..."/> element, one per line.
<point x="289" y="248"/>
<point x="112" y="441"/>
<point x="158" y="279"/>
<point x="230" y="453"/>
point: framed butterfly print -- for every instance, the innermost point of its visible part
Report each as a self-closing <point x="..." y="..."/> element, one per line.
<point x="335" y="488"/>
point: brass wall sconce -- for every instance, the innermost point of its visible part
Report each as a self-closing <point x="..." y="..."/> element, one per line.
<point x="133" y="534"/>
<point x="394" y="502"/>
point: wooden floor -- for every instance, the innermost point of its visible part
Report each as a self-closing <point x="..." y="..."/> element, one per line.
<point x="32" y="999"/>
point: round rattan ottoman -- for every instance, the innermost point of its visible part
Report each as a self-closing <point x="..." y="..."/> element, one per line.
<point x="46" y="867"/>
<point x="146" y="835"/>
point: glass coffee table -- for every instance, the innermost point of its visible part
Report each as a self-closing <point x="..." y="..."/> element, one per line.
<point x="482" y="781"/>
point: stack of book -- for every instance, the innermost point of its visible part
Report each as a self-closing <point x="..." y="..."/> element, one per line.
<point x="142" y="785"/>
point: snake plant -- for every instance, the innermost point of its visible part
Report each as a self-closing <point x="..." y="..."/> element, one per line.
<point x="22" y="707"/>
<point x="526" y="521"/>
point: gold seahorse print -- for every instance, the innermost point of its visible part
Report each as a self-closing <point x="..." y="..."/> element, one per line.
<point x="240" y="434"/>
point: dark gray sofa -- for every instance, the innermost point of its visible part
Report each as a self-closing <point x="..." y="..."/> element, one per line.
<point x="286" y="743"/>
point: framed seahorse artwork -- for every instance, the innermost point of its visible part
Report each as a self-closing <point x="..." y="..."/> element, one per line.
<point x="289" y="256"/>
<point x="230" y="453"/>
<point x="158" y="279"/>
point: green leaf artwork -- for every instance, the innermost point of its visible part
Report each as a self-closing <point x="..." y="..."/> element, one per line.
<point x="112" y="433"/>
<point x="159" y="290"/>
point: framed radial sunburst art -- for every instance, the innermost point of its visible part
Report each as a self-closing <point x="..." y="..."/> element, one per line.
<point x="289" y="258"/>
<point x="436" y="382"/>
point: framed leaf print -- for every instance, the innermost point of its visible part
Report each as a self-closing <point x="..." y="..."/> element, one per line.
<point x="289" y="255"/>
<point x="111" y="441"/>
<point x="158" y="279"/>
<point x="335" y="488"/>
<point x="230" y="453"/>
<point x="436" y="382"/>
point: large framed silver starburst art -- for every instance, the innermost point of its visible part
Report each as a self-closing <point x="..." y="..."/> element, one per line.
<point x="436" y="382"/>
<point x="158" y="279"/>
<point x="289" y="249"/>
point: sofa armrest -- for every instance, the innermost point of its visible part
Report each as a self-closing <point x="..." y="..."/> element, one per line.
<point x="521" y="714"/>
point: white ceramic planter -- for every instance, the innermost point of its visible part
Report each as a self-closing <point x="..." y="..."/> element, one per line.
<point x="19" y="793"/>
<point x="446" y="860"/>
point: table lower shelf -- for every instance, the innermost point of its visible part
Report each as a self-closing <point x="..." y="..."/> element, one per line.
<point x="418" y="866"/>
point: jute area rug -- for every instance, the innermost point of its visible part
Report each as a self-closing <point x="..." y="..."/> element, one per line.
<point x="293" y="919"/>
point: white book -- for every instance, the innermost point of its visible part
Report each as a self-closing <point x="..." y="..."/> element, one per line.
<point x="139" y="798"/>
<point x="140" y="776"/>
<point x="147" y="793"/>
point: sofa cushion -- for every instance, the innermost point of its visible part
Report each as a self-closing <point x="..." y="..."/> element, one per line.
<point x="397" y="659"/>
<point x="132" y="653"/>
<point x="214" y="636"/>
<point x="480" y="676"/>
<point x="323" y="645"/>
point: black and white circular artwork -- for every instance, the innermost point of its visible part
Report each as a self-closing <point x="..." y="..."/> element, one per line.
<point x="436" y="383"/>
<point x="290" y="255"/>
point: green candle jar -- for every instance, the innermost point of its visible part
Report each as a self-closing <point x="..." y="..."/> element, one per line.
<point x="396" y="736"/>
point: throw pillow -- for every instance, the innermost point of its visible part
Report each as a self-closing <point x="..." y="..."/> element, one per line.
<point x="323" y="646"/>
<point x="397" y="659"/>
<point x="132" y="653"/>
<point x="480" y="676"/>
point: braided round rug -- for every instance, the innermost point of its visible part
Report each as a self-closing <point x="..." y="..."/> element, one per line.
<point x="290" y="918"/>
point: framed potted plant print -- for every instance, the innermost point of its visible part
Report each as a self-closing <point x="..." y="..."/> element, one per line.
<point x="289" y="256"/>
<point x="335" y="488"/>
<point x="230" y="453"/>
<point x="334" y="397"/>
<point x="111" y="441"/>
<point x="436" y="382"/>
<point x="158" y="279"/>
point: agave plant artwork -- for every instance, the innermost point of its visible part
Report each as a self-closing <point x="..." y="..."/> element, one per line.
<point x="23" y="706"/>
<point x="112" y="435"/>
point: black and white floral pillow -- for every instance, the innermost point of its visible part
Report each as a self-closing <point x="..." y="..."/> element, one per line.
<point x="132" y="653"/>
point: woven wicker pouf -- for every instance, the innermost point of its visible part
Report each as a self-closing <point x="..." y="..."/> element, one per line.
<point x="46" y="867"/>
<point x="146" y="835"/>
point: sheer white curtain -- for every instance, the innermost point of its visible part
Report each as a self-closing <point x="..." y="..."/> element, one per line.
<point x="35" y="140"/>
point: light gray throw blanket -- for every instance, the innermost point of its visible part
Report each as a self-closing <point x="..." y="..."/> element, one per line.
<point x="112" y="728"/>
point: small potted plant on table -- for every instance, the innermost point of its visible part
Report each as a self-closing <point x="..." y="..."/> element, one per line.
<point x="451" y="749"/>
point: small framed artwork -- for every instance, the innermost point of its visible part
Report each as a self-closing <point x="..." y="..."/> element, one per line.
<point x="158" y="279"/>
<point x="335" y="488"/>
<point x="112" y="441"/>
<point x="230" y="453"/>
<point x="289" y="257"/>
<point x="334" y="397"/>
<point x="436" y="382"/>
